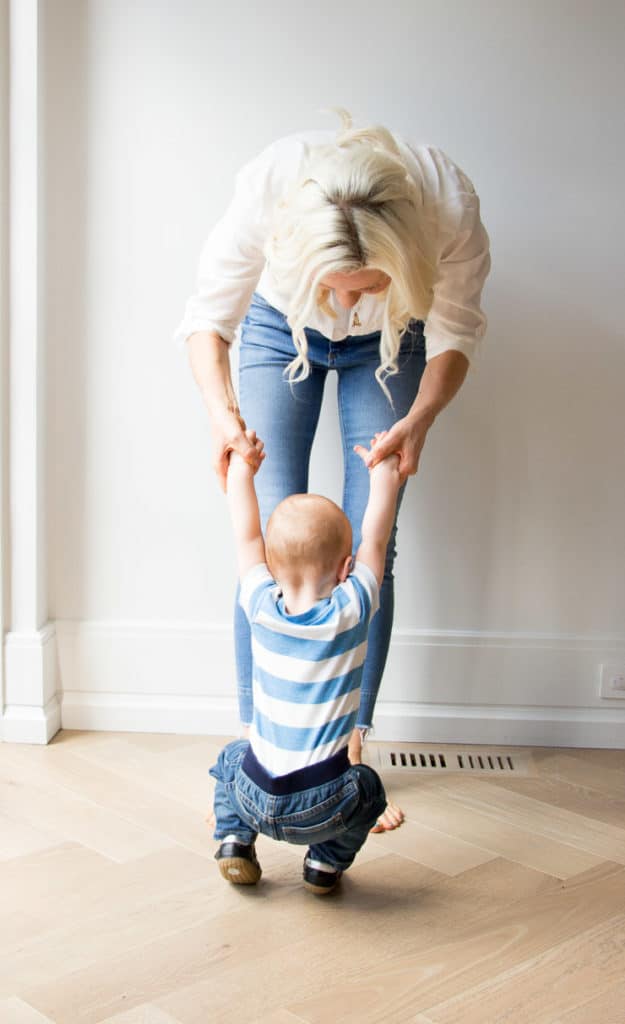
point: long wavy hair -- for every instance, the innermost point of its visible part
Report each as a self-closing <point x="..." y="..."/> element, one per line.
<point x="354" y="206"/>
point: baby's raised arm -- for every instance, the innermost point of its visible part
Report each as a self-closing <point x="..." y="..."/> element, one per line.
<point x="243" y="505"/>
<point x="385" y="481"/>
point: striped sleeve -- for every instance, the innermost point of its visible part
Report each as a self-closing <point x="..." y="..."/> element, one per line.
<point x="254" y="584"/>
<point x="367" y="588"/>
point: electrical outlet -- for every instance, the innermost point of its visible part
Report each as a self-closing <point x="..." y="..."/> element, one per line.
<point x="613" y="681"/>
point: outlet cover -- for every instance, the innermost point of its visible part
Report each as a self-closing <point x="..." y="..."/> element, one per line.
<point x="613" y="682"/>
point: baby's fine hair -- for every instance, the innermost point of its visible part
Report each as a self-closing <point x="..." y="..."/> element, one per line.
<point x="307" y="532"/>
<point x="354" y="206"/>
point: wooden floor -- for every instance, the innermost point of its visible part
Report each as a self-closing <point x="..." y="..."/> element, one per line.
<point x="502" y="899"/>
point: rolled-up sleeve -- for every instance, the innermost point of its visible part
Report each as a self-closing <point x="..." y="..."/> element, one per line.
<point x="232" y="258"/>
<point x="456" y="320"/>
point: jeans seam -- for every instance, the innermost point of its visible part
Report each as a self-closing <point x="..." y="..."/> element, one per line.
<point x="342" y="425"/>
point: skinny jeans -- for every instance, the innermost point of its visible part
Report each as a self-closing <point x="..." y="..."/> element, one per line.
<point x="286" y="415"/>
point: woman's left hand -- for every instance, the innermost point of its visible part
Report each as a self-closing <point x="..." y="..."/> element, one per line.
<point x="406" y="438"/>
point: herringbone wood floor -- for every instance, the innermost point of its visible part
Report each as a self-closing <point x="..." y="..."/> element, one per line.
<point x="500" y="900"/>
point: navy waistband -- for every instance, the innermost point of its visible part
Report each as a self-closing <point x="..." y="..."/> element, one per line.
<point x="304" y="778"/>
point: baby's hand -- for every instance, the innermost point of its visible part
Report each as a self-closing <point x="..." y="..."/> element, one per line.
<point x="236" y="461"/>
<point x="388" y="465"/>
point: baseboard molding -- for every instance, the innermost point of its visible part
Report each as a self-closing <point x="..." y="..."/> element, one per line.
<point x="116" y="712"/>
<point x="23" y="723"/>
<point x="438" y="687"/>
<point x="32" y="709"/>
<point x="510" y="726"/>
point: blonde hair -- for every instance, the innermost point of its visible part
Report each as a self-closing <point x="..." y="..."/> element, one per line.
<point x="354" y="206"/>
<point x="306" y="533"/>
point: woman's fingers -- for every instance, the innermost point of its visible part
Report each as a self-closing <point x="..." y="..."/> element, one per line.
<point x="390" y="443"/>
<point x="379" y="449"/>
<point x="398" y="440"/>
<point x="246" y="444"/>
<point x="246" y="448"/>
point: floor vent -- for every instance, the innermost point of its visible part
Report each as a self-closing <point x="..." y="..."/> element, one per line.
<point x="410" y="757"/>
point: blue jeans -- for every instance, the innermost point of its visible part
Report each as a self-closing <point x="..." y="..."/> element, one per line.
<point x="332" y="819"/>
<point x="285" y="416"/>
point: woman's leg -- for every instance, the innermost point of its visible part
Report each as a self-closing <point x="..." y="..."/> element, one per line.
<point x="285" y="416"/>
<point x="364" y="410"/>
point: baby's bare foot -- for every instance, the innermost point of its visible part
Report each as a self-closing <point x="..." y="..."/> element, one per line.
<point x="392" y="818"/>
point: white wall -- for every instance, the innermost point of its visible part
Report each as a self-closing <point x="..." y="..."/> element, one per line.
<point x="4" y="324"/>
<point x="510" y="582"/>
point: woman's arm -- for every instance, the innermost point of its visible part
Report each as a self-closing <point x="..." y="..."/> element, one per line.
<point x="209" y="357"/>
<point x="441" y="380"/>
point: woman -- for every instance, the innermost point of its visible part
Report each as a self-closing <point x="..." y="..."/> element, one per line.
<point x="356" y="253"/>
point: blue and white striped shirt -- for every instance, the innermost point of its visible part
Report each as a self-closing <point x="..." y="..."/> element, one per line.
<point x="306" y="668"/>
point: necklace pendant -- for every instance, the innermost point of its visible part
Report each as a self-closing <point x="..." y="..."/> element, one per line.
<point x="356" y="321"/>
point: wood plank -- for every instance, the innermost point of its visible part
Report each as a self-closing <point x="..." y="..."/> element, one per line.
<point x="17" y="839"/>
<point x="144" y="915"/>
<point x="159" y="773"/>
<point x="432" y="806"/>
<point x="180" y="774"/>
<point x="201" y="951"/>
<point x="162" y="742"/>
<point x="555" y="823"/>
<point x="79" y="945"/>
<point x="606" y="1008"/>
<point x="15" y="1011"/>
<point x="431" y="847"/>
<point x="585" y="772"/>
<point x="597" y="756"/>
<point x="146" y="808"/>
<point x="278" y="1017"/>
<point x="53" y="808"/>
<point x="533" y="991"/>
<point x="261" y="922"/>
<point x="435" y="966"/>
<point x="368" y="977"/>
<point x="85" y="885"/>
<point x="440" y="899"/>
<point x="146" y="1013"/>
<point x="569" y="796"/>
<point x="25" y="882"/>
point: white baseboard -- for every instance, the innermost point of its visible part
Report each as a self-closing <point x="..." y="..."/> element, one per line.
<point x="32" y="709"/>
<point x="117" y="712"/>
<point x="23" y="723"/>
<point x="509" y="726"/>
<point x="438" y="687"/>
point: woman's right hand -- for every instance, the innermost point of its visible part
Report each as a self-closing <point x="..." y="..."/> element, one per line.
<point x="229" y="435"/>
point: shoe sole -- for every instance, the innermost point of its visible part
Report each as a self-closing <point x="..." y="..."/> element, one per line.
<point x="239" y="871"/>
<point x="320" y="890"/>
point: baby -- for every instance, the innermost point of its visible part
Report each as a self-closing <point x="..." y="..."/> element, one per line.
<point x="309" y="605"/>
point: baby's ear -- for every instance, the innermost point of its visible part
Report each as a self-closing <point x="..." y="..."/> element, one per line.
<point x="345" y="568"/>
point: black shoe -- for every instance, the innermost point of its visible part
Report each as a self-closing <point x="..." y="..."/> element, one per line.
<point x="318" y="877"/>
<point x="237" y="862"/>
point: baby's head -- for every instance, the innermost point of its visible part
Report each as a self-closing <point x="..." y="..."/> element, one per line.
<point x="308" y="537"/>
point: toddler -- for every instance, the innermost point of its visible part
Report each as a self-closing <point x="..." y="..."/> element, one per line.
<point x="309" y="605"/>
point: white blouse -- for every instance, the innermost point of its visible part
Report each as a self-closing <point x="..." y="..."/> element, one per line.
<point x="232" y="263"/>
